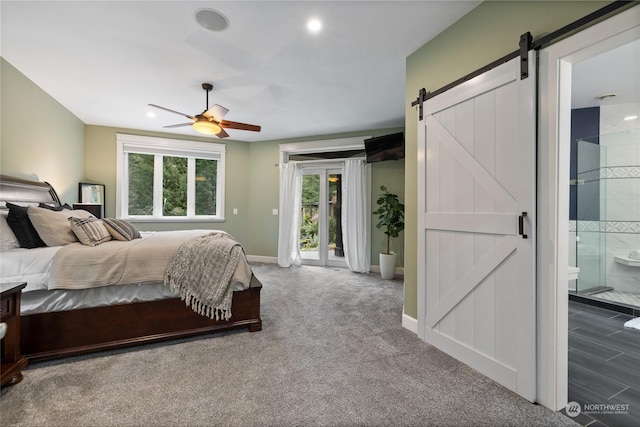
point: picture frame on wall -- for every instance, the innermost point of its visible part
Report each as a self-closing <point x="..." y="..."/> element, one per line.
<point x="91" y="198"/>
<point x="91" y="193"/>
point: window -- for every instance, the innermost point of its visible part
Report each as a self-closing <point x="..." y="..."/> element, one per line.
<point x="164" y="179"/>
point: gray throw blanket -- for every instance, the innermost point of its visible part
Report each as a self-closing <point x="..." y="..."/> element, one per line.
<point x="200" y="272"/>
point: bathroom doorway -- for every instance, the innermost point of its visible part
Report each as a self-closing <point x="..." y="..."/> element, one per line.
<point x="559" y="322"/>
<point x="604" y="213"/>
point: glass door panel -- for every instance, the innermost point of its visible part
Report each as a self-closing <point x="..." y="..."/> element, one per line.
<point x="335" y="249"/>
<point x="321" y="219"/>
<point x="589" y="216"/>
<point x="309" y="217"/>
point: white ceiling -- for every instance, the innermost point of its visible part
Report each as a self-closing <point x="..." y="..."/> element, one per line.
<point x="106" y="60"/>
<point x="616" y="71"/>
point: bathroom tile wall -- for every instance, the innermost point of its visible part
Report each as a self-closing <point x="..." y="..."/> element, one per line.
<point x="620" y="193"/>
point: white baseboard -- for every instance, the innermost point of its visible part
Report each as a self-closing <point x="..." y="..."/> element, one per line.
<point x="410" y="323"/>
<point x="262" y="259"/>
<point x="274" y="260"/>
<point x="376" y="269"/>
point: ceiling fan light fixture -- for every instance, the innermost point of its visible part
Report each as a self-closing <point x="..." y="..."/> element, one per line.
<point x="206" y="127"/>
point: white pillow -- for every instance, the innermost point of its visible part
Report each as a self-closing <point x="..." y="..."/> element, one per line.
<point x="8" y="240"/>
<point x="53" y="226"/>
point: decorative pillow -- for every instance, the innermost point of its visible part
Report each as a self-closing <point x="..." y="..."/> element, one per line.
<point x="121" y="229"/>
<point x="90" y="231"/>
<point x="55" y="208"/>
<point x="8" y="239"/>
<point x="53" y="226"/>
<point x="22" y="228"/>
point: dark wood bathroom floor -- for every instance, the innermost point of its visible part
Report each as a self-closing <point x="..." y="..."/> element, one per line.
<point x="604" y="366"/>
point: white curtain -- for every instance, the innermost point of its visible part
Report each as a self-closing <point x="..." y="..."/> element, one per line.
<point x="356" y="215"/>
<point x="289" y="220"/>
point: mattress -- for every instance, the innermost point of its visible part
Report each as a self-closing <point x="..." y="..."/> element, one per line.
<point x="42" y="301"/>
<point x="33" y="266"/>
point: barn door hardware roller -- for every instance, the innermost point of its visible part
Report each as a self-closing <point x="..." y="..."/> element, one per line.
<point x="422" y="96"/>
<point x="526" y="44"/>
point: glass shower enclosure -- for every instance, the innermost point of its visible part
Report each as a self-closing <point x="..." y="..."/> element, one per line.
<point x="605" y="223"/>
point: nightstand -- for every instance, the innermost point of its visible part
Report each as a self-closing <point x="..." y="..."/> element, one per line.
<point x="97" y="209"/>
<point x="12" y="361"/>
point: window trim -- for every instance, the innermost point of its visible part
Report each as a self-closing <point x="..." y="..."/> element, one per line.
<point x="171" y="147"/>
<point x="321" y="146"/>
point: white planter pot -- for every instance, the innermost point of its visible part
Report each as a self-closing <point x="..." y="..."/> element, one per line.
<point x="387" y="266"/>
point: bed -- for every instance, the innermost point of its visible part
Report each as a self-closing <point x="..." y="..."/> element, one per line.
<point x="64" y="322"/>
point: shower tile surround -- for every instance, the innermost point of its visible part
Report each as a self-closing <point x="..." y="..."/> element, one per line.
<point x="618" y="231"/>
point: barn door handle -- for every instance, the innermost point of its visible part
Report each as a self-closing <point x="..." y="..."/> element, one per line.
<point x="521" y="225"/>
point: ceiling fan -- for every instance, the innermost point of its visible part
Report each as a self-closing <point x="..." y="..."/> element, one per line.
<point x="210" y="121"/>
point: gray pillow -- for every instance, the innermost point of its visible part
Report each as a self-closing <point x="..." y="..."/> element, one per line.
<point x="53" y="226"/>
<point x="121" y="229"/>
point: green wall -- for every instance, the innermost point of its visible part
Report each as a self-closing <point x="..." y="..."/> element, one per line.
<point x="391" y="175"/>
<point x="39" y="138"/>
<point x="485" y="34"/>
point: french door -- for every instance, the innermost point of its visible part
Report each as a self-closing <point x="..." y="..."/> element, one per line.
<point x="476" y="225"/>
<point x="321" y="217"/>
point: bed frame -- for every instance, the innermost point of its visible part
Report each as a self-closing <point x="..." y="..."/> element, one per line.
<point x="73" y="332"/>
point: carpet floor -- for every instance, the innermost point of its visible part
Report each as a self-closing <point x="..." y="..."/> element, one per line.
<point x="332" y="352"/>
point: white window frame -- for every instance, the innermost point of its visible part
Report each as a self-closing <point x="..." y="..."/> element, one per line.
<point x="159" y="147"/>
<point x="321" y="146"/>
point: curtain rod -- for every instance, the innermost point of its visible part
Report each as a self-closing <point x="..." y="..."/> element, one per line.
<point x="322" y="160"/>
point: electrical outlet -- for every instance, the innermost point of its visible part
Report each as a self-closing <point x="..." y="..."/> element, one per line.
<point x="235" y="211"/>
<point x="274" y="212"/>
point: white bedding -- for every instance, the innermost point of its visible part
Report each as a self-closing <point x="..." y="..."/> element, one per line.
<point x="34" y="267"/>
<point x="27" y="265"/>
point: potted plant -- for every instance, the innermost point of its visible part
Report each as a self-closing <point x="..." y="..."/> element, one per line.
<point x="391" y="221"/>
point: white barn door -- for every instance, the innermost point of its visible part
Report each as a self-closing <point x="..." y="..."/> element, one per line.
<point x="476" y="224"/>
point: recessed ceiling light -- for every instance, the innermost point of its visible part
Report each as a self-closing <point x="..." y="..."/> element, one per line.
<point x="314" y="25"/>
<point x="212" y="20"/>
<point x="631" y="117"/>
<point x="151" y="114"/>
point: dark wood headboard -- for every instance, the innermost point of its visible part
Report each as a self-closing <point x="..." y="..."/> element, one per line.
<point x="24" y="192"/>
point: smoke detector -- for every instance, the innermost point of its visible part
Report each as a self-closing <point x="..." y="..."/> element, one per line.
<point x="212" y="20"/>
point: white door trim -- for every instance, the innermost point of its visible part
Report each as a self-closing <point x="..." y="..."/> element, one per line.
<point x="553" y="195"/>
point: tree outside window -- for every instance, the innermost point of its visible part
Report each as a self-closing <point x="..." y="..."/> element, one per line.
<point x="170" y="179"/>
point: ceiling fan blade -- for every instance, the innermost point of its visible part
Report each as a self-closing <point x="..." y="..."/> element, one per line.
<point x="178" y="125"/>
<point x="172" y="111"/>
<point x="241" y="126"/>
<point x="217" y="112"/>
<point x="222" y="134"/>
